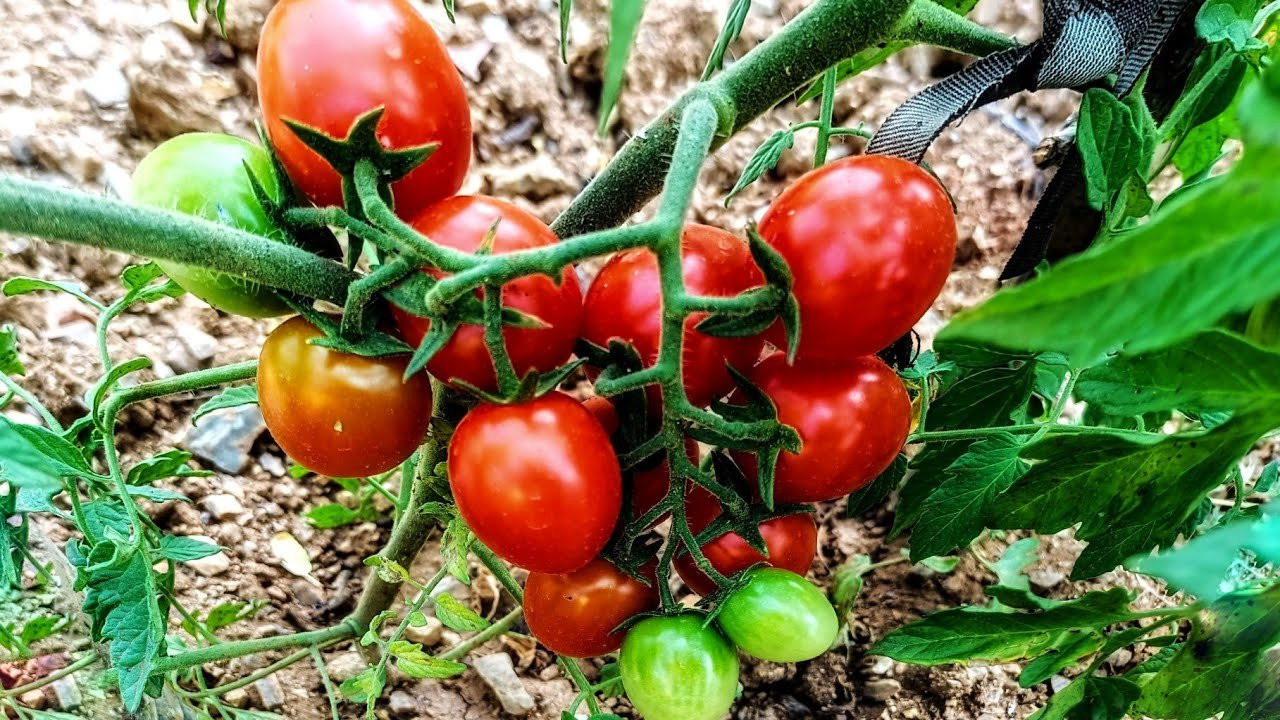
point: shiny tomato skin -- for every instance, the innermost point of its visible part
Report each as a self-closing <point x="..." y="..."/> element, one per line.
<point x="852" y="421"/>
<point x="462" y="222"/>
<point x="339" y="414"/>
<point x="207" y="175"/>
<point x="324" y="63"/>
<point x="674" y="668"/>
<point x="575" y="613"/>
<point x="792" y="541"/>
<point x="625" y="302"/>
<point x="537" y="482"/>
<point x="870" y="240"/>
<point x="779" y="616"/>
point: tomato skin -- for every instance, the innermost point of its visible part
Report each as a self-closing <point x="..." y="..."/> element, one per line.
<point x="852" y="421"/>
<point x="792" y="541"/>
<point x="537" y="482"/>
<point x="324" y="63"/>
<point x="625" y="302"/>
<point x="779" y="616"/>
<point x="870" y="240"/>
<point x="574" y="614"/>
<point x="339" y="414"/>
<point x="675" y="669"/>
<point x="462" y="222"/>
<point x="203" y="174"/>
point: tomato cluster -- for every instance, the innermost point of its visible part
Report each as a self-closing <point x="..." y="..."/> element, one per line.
<point x="868" y="241"/>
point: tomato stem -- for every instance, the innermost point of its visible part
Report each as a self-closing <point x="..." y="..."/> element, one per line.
<point x="824" y="117"/>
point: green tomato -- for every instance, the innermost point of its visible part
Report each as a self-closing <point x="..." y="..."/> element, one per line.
<point x="673" y="668"/>
<point x="203" y="174"/>
<point x="779" y="616"/>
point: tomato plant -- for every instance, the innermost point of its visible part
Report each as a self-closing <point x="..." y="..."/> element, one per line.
<point x="792" y="542"/>
<point x="578" y="613"/>
<point x="339" y="414"/>
<point x="207" y="175"/>
<point x="778" y="616"/>
<point x="537" y="482"/>
<point x="675" y="668"/>
<point x="464" y="223"/>
<point x="323" y="63"/>
<point x="852" y="420"/>
<point x="869" y="241"/>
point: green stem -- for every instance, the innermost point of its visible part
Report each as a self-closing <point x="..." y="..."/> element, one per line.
<point x="500" y="626"/>
<point x="330" y="691"/>
<point x="824" y="117"/>
<point x="54" y="213"/>
<point x="496" y="343"/>
<point x="1045" y="428"/>
<point x="227" y="651"/>
<point x="32" y="402"/>
<point x="499" y="570"/>
<point x="585" y="689"/>
<point x="932" y="24"/>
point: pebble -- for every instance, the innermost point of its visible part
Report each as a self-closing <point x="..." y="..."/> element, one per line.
<point x="236" y="698"/>
<point x="1058" y="683"/>
<point x="66" y="694"/>
<point x="224" y="437"/>
<point x="34" y="699"/>
<point x="270" y="693"/>
<point x="879" y="665"/>
<point x="222" y="507"/>
<point x="272" y="464"/>
<point x="429" y="634"/>
<point x="20" y="149"/>
<point x="212" y="565"/>
<point x="468" y="58"/>
<point x="881" y="690"/>
<point x="194" y="349"/>
<point x="535" y="179"/>
<point x="108" y="87"/>
<point x="1046" y="580"/>
<point x="171" y="97"/>
<point x="499" y="674"/>
<point x="346" y="666"/>
<point x="402" y="704"/>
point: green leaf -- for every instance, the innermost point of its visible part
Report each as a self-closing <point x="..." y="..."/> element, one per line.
<point x="230" y="397"/>
<point x="365" y="686"/>
<point x="1069" y="648"/>
<point x="415" y="663"/>
<point x="1091" y="698"/>
<point x="1121" y="294"/>
<point x="624" y="22"/>
<point x="566" y="13"/>
<point x="956" y="512"/>
<point x="227" y="614"/>
<point x="10" y="362"/>
<point x="847" y="584"/>
<point x="1213" y="371"/>
<point x="1267" y="479"/>
<point x="1201" y="566"/>
<point x="456" y="616"/>
<point x="39" y="628"/>
<point x="37" y="458"/>
<point x="1110" y="143"/>
<point x="121" y="602"/>
<point x="1219" y="21"/>
<point x="331" y="515"/>
<point x="1129" y="492"/>
<point x="183" y="549"/>
<point x="155" y="494"/>
<point x="455" y="547"/>
<point x="873" y="494"/>
<point x="765" y="159"/>
<point x="169" y="464"/>
<point x="732" y="28"/>
<point x="941" y="563"/>
<point x="973" y="633"/>
<point x="24" y="285"/>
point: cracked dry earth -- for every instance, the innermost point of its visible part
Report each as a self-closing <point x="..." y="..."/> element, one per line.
<point x="88" y="87"/>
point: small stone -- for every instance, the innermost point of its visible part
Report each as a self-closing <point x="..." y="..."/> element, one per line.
<point x="535" y="179"/>
<point x="21" y="150"/>
<point x="306" y="594"/>
<point x="199" y="346"/>
<point x="224" y="437"/>
<point x="108" y="87"/>
<point x="210" y="566"/>
<point x="499" y="674"/>
<point x="496" y="29"/>
<point x="402" y="705"/>
<point x="429" y="634"/>
<point x="346" y="666"/>
<point x="1046" y="580"/>
<point x="879" y="665"/>
<point x="270" y="694"/>
<point x="1121" y="658"/>
<point x="221" y="507"/>
<point x="272" y="464"/>
<point x="882" y="689"/>
<point x="66" y="694"/>
<point x="450" y="585"/>
<point x="244" y="23"/>
<point x="173" y="96"/>
<point x="34" y="699"/>
<point x="1058" y="683"/>
<point x="236" y="698"/>
<point x="468" y="58"/>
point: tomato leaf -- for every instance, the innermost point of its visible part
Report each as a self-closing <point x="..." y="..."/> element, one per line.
<point x="1092" y="697"/>
<point x="165" y="465"/>
<point x="456" y="616"/>
<point x="24" y="285"/>
<point x="873" y="494"/>
<point x="183" y="549"/>
<point x="34" y="457"/>
<point x="1201" y="566"/>
<point x="1110" y="143"/>
<point x="766" y="158"/>
<point x="728" y="33"/>
<point x="365" y="686"/>
<point x="415" y="663"/>
<point x="1067" y="650"/>
<point x="228" y="398"/>
<point x="624" y="22"/>
<point x="566" y="13"/>
<point x="455" y="547"/>
<point x="10" y="363"/>
<point x="846" y="584"/>
<point x="331" y="515"/>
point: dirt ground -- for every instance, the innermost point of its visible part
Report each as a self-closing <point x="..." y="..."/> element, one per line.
<point x="87" y="87"/>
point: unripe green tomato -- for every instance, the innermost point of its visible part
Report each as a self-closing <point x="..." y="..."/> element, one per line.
<point x="779" y="616"/>
<point x="673" y="668"/>
<point x="203" y="174"/>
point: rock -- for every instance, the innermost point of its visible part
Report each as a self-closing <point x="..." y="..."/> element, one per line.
<point x="450" y="585"/>
<point x="468" y="58"/>
<point x="402" y="705"/>
<point x="272" y="464"/>
<point x="72" y="155"/>
<point x="66" y="694"/>
<point x="535" y="179"/>
<point x="346" y="666"/>
<point x="212" y="565"/>
<point x="270" y="693"/>
<point x="172" y="96"/>
<point x="1045" y="580"/>
<point x="237" y="698"/>
<point x="221" y="507"/>
<point x="196" y="349"/>
<point x="244" y="23"/>
<point x="496" y="29"/>
<point x="499" y="674"/>
<point x="428" y="634"/>
<point x="21" y="150"/>
<point x="882" y="689"/>
<point x="879" y="665"/>
<point x="224" y="437"/>
<point x="34" y="699"/>
<point x="1058" y="683"/>
<point x="108" y="87"/>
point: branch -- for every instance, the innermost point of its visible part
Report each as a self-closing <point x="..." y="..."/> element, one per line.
<point x="928" y="22"/>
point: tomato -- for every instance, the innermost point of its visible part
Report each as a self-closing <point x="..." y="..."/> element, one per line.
<point x="575" y="614"/>
<point x="625" y="302"/>
<point x="339" y="414"/>
<point x="870" y="240"/>
<point x="203" y="174"/>
<point x="537" y="482"/>
<point x="779" y="616"/>
<point x="324" y="63"/>
<point x="673" y="668"/>
<point x="463" y="222"/>
<point x="852" y="421"/>
<point x="792" y="541"/>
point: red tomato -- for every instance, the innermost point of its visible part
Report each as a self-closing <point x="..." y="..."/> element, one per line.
<point x="625" y="302"/>
<point x="537" y="482"/>
<point x="324" y="63"/>
<point x="852" y="422"/>
<point x="870" y="240"/>
<point x="462" y="222"/>
<point x="792" y="541"/>
<point x="338" y="414"/>
<point x="575" y="614"/>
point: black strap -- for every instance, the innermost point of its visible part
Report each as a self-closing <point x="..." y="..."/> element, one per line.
<point x="1084" y="42"/>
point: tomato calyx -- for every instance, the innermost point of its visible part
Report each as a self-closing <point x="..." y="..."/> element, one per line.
<point x="533" y="385"/>
<point x="374" y="344"/>
<point x="764" y="305"/>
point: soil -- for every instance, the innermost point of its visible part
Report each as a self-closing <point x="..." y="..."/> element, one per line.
<point x="87" y="87"/>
